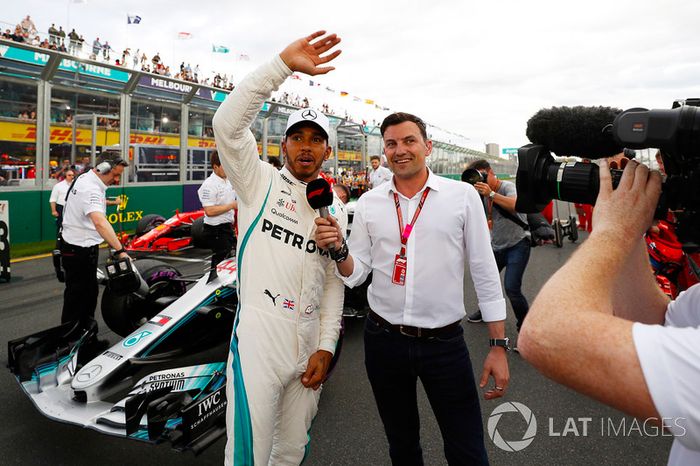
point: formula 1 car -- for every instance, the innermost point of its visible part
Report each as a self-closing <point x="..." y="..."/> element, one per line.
<point x="164" y="381"/>
<point x="155" y="233"/>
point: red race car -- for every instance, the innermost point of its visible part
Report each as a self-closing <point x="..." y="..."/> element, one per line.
<point x="155" y="233"/>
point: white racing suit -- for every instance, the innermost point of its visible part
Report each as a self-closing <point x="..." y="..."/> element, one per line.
<point x="290" y="298"/>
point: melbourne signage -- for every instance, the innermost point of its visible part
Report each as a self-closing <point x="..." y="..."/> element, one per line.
<point x="164" y="84"/>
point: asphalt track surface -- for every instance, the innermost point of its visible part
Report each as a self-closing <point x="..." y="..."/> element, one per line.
<point x="347" y="430"/>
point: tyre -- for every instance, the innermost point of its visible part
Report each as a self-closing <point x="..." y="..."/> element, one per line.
<point x="199" y="239"/>
<point x="148" y="223"/>
<point x="558" y="233"/>
<point x="124" y="314"/>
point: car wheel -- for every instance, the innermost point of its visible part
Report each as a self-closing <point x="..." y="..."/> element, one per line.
<point x="197" y="231"/>
<point x="148" y="223"/>
<point x="125" y="313"/>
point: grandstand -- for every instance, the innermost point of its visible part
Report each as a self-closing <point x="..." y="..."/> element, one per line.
<point x="55" y="106"/>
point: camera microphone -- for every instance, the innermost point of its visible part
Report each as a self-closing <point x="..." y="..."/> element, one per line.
<point x="575" y="131"/>
<point x="320" y="195"/>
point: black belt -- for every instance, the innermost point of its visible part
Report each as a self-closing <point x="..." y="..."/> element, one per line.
<point x="415" y="332"/>
<point x="67" y="247"/>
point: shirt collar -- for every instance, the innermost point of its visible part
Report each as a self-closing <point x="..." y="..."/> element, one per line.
<point x="98" y="180"/>
<point x="433" y="183"/>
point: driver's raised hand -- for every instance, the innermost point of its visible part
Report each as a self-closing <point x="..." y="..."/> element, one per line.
<point x="304" y="55"/>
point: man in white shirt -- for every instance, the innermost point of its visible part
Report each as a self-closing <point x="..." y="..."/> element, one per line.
<point x="219" y="203"/>
<point x="58" y="197"/>
<point x="601" y="333"/>
<point x="379" y="174"/>
<point x="85" y="227"/>
<point x="414" y="327"/>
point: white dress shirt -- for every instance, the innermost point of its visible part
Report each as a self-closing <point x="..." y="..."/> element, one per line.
<point x="217" y="191"/>
<point x="379" y="176"/>
<point x="450" y="230"/>
<point x="88" y="196"/>
<point x="58" y="193"/>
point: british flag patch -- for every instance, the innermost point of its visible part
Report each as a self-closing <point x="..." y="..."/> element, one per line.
<point x="288" y="304"/>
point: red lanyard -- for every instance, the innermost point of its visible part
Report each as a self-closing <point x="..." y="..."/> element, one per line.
<point x="406" y="232"/>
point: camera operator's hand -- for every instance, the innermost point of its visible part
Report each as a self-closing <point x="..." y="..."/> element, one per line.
<point x="483" y="188"/>
<point x="627" y="211"/>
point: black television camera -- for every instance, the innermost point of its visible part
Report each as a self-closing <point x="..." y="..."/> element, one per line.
<point x="473" y="176"/>
<point x="600" y="132"/>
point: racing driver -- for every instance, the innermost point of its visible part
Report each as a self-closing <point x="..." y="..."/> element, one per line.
<point x="290" y="298"/>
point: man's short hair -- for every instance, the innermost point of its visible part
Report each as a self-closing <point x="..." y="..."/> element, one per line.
<point x="400" y="117"/>
<point x="214" y="158"/>
<point x="375" y="157"/>
<point x="481" y="164"/>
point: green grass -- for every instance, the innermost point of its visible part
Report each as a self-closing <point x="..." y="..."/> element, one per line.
<point x="41" y="247"/>
<point x="31" y="249"/>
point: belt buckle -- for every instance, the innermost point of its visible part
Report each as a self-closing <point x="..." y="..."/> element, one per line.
<point x="412" y="335"/>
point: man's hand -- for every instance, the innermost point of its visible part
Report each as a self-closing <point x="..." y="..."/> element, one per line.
<point x="626" y="212"/>
<point x="328" y="232"/>
<point x="303" y="56"/>
<point x="482" y="188"/>
<point x="495" y="365"/>
<point x="316" y="369"/>
<point x="54" y="213"/>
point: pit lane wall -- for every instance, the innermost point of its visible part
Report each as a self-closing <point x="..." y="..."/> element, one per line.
<point x="31" y="220"/>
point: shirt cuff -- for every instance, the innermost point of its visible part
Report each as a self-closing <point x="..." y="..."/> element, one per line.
<point x="329" y="345"/>
<point x="281" y="68"/>
<point x="352" y="280"/>
<point x="493" y="311"/>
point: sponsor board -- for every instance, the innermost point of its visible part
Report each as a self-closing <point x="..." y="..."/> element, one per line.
<point x="199" y="417"/>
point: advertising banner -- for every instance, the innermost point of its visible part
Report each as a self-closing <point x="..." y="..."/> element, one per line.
<point x="88" y="69"/>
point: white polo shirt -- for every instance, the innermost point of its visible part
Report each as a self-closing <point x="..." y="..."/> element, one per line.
<point x="58" y="193"/>
<point x="670" y="360"/>
<point x="88" y="195"/>
<point x="379" y="176"/>
<point x="217" y="191"/>
<point x="450" y="230"/>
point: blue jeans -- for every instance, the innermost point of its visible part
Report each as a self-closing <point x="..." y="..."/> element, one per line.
<point x="514" y="259"/>
<point x="394" y="362"/>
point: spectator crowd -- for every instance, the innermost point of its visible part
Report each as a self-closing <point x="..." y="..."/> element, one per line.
<point x="74" y="43"/>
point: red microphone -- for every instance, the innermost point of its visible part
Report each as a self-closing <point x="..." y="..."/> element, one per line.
<point x="319" y="196"/>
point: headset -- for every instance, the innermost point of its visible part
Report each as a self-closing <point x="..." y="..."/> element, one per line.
<point x="106" y="166"/>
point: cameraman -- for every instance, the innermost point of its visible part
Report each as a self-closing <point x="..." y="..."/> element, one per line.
<point x="580" y="330"/>
<point x="509" y="240"/>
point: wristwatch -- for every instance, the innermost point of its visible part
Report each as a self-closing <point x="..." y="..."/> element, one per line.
<point x="339" y="255"/>
<point x="502" y="342"/>
<point x="492" y="194"/>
